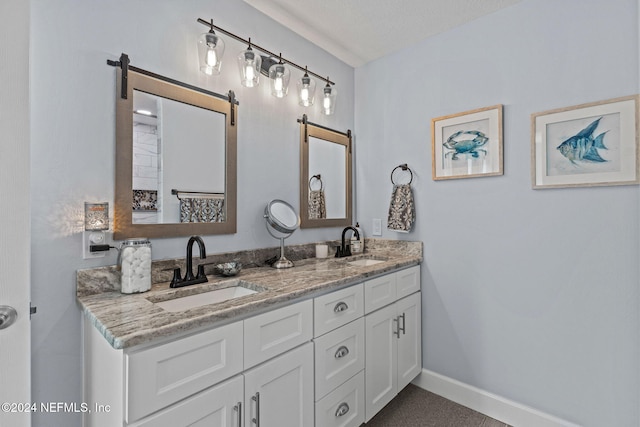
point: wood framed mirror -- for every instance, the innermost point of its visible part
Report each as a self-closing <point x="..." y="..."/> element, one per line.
<point x="176" y="158"/>
<point x="325" y="176"/>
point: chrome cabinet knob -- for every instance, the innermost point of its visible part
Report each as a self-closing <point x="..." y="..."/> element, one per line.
<point x="340" y="307"/>
<point x="342" y="409"/>
<point x="341" y="352"/>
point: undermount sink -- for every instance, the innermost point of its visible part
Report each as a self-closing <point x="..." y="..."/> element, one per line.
<point x="231" y="290"/>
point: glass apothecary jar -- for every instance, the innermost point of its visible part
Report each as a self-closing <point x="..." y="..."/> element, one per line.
<point x="134" y="261"/>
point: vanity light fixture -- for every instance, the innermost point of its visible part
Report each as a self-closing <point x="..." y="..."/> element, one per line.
<point x="210" y="51"/>
<point x="96" y="222"/>
<point x="306" y="85"/>
<point x="249" y="63"/>
<point x="306" y="89"/>
<point x="279" y="76"/>
<point x="329" y="100"/>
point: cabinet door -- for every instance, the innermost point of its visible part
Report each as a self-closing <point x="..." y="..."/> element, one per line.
<point x="279" y="393"/>
<point x="218" y="406"/>
<point x="381" y="345"/>
<point x="409" y="343"/>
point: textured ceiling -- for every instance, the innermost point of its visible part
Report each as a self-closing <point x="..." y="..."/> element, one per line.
<point x="359" y="31"/>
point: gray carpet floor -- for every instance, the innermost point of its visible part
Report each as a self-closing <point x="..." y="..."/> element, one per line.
<point x="415" y="407"/>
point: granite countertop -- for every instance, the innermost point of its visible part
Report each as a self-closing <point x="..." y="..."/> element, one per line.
<point x="126" y="320"/>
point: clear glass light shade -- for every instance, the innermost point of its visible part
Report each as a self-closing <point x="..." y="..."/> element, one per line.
<point x="279" y="80"/>
<point x="306" y="91"/>
<point x="210" y="51"/>
<point x="249" y="64"/>
<point x="96" y="216"/>
<point x="329" y="100"/>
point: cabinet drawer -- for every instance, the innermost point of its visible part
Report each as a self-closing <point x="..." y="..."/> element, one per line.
<point x="215" y="407"/>
<point x="277" y="331"/>
<point x="407" y="281"/>
<point x="343" y="407"/>
<point x="159" y="376"/>
<point x="337" y="308"/>
<point x="379" y="292"/>
<point x="339" y="356"/>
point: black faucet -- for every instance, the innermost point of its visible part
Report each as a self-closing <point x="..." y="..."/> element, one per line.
<point x="345" y="250"/>
<point x="189" y="279"/>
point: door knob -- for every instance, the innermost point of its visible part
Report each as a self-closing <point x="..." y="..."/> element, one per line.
<point x="8" y="315"/>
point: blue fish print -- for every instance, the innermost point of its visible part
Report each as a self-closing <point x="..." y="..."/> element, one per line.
<point x="583" y="146"/>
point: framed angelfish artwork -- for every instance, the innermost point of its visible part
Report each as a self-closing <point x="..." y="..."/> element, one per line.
<point x="468" y="144"/>
<point x="586" y="145"/>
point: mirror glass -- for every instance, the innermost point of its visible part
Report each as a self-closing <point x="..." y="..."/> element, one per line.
<point x="327" y="177"/>
<point x="325" y="182"/>
<point x="281" y="216"/>
<point x="162" y="129"/>
<point x="175" y="160"/>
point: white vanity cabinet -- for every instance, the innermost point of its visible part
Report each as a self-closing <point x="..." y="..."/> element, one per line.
<point x="339" y="357"/>
<point x="368" y="346"/>
<point x="393" y="342"/>
<point x="331" y="361"/>
<point x="204" y="378"/>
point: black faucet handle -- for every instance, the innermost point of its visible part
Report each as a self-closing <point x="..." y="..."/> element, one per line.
<point x="201" y="274"/>
<point x="338" y="252"/>
<point x="177" y="278"/>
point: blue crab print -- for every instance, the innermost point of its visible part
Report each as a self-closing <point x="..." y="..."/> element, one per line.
<point x="465" y="145"/>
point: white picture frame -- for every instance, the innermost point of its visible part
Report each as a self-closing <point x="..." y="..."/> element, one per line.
<point x="467" y="144"/>
<point x="594" y="144"/>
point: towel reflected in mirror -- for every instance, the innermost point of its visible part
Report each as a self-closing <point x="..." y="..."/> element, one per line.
<point x="317" y="201"/>
<point x="202" y="208"/>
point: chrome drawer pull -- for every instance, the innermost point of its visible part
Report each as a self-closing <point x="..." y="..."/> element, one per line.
<point x="397" y="331"/>
<point x="341" y="306"/>
<point x="238" y="408"/>
<point x="341" y="352"/>
<point x="342" y="409"/>
<point x="256" y="399"/>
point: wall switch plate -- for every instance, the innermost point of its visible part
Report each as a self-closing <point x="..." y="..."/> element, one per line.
<point x="377" y="227"/>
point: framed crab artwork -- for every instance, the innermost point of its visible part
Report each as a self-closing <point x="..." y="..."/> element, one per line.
<point x="586" y="145"/>
<point x="468" y="144"/>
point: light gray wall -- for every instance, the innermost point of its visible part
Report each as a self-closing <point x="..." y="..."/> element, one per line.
<point x="73" y="122"/>
<point x="531" y="295"/>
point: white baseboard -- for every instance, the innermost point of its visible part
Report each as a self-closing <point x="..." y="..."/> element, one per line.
<point x="489" y="404"/>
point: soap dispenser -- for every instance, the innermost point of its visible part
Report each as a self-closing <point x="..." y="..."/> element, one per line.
<point x="357" y="245"/>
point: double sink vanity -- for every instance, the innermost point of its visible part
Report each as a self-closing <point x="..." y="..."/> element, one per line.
<point x="326" y="343"/>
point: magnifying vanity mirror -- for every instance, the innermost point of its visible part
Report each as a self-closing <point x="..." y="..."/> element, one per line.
<point x="325" y="176"/>
<point x="282" y="218"/>
<point x="175" y="158"/>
